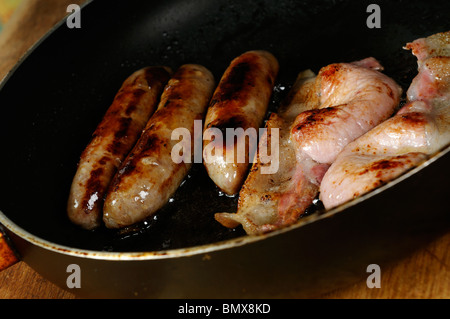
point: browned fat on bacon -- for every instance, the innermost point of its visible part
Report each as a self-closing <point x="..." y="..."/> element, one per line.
<point x="113" y="138"/>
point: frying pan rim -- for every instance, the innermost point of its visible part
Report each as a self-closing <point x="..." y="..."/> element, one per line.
<point x="207" y="248"/>
<point x="189" y="251"/>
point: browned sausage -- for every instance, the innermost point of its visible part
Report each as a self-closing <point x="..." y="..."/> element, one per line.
<point x="149" y="176"/>
<point x="240" y="102"/>
<point x="114" y="137"/>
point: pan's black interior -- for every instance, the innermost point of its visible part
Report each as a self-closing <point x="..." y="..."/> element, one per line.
<point x="53" y="101"/>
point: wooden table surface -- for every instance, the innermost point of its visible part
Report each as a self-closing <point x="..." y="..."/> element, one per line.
<point x="424" y="274"/>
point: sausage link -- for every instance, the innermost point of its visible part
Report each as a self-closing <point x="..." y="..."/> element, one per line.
<point x="149" y="176"/>
<point x="113" y="138"/>
<point x="240" y="102"/>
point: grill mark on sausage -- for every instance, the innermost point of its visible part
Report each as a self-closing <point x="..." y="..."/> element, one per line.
<point x="94" y="185"/>
<point x="136" y="97"/>
<point x="104" y="160"/>
<point x="130" y="109"/>
<point x="124" y="126"/>
<point x="174" y="95"/>
<point x="233" y="122"/>
<point x="117" y="147"/>
<point x="232" y="87"/>
<point x="152" y="143"/>
<point x="132" y="96"/>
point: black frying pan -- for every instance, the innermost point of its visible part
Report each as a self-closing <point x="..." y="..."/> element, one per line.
<point x="52" y="102"/>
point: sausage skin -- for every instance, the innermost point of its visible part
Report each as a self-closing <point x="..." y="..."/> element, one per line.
<point x="114" y="137"/>
<point x="240" y="102"/>
<point x="149" y="176"/>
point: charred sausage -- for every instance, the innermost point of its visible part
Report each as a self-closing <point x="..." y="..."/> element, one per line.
<point x="239" y="103"/>
<point x="150" y="176"/>
<point x="113" y="138"/>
